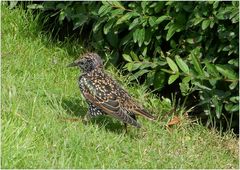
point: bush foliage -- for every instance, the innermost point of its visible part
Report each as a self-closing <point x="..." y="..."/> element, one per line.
<point x="192" y="45"/>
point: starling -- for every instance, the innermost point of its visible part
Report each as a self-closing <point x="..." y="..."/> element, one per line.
<point x="103" y="94"/>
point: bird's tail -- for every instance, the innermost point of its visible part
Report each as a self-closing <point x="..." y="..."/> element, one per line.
<point x="123" y="116"/>
<point x="144" y="113"/>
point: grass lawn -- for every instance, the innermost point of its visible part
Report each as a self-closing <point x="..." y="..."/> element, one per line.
<point x="42" y="111"/>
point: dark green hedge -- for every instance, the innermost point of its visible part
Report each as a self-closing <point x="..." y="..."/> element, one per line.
<point x="192" y="46"/>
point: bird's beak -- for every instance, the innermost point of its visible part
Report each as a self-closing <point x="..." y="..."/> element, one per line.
<point x="74" y="64"/>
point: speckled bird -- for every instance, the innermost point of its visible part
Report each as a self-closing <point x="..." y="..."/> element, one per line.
<point x="103" y="94"/>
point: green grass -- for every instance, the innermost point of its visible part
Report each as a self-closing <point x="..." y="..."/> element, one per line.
<point x="42" y="111"/>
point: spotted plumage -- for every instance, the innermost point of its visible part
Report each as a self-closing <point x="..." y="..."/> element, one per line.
<point x="103" y="94"/>
<point x="94" y="111"/>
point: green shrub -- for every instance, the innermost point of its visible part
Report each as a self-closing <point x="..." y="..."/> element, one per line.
<point x="190" y="44"/>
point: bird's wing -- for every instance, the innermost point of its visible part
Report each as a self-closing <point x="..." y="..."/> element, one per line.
<point x="93" y="110"/>
<point x="133" y="107"/>
<point x="108" y="104"/>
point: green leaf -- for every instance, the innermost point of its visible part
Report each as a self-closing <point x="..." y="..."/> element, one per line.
<point x="235" y="108"/>
<point x="212" y="23"/>
<point x="153" y="5"/>
<point x="148" y="36"/>
<point x="62" y="16"/>
<point x="134" y="56"/>
<point x="97" y="24"/>
<point x="138" y="74"/>
<point x="224" y="13"/>
<point x="136" y="66"/>
<point x="205" y="24"/>
<point x="233" y="85"/>
<point x="144" y="51"/>
<point x="213" y="82"/>
<point x="134" y="23"/>
<point x="128" y="38"/>
<point x="14" y="4"/>
<point x="234" y="99"/>
<point x="127" y="58"/>
<point x="159" y="6"/>
<point x="190" y="40"/>
<point x="186" y="79"/>
<point x="150" y="78"/>
<point x="172" y="64"/>
<point x="171" y="31"/>
<point x="135" y="35"/>
<point x="159" y="80"/>
<point x="104" y="9"/>
<point x="196" y="83"/>
<point x="129" y="66"/>
<point x="218" y="106"/>
<point x="147" y="64"/>
<point x="144" y="5"/>
<point x="116" y="12"/>
<point x="227" y="71"/>
<point x="141" y="37"/>
<point x="152" y="20"/>
<point x="106" y="3"/>
<point x="196" y="62"/>
<point x="215" y="4"/>
<point x="117" y="4"/>
<point x="162" y="18"/>
<point x="31" y="6"/>
<point x="168" y="26"/>
<point x="231" y="108"/>
<point x="126" y="17"/>
<point x="182" y="65"/>
<point x="108" y="26"/>
<point x="184" y="87"/>
<point x="61" y="5"/>
<point x="172" y="78"/>
<point x="197" y="20"/>
<point x="211" y="69"/>
<point x="167" y="71"/>
<point x="234" y="62"/>
<point x="80" y="21"/>
<point x="173" y="44"/>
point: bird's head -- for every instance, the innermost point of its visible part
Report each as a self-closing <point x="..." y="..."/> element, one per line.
<point x="88" y="62"/>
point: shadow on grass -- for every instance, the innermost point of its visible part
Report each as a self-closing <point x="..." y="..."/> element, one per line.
<point x="73" y="107"/>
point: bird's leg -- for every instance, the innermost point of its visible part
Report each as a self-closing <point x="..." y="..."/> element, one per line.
<point x="125" y="126"/>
